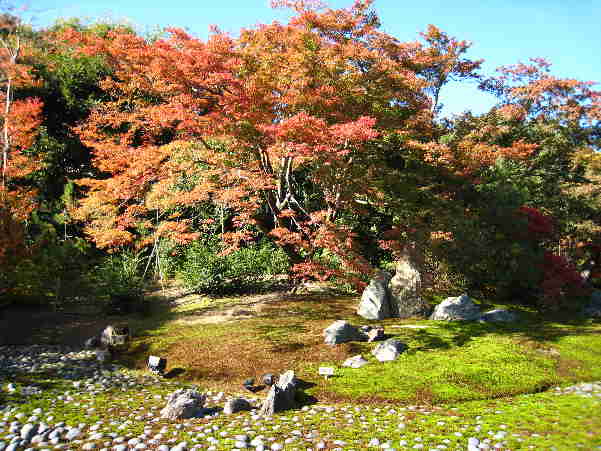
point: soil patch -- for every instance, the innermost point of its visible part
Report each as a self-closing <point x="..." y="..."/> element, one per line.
<point x="32" y="325"/>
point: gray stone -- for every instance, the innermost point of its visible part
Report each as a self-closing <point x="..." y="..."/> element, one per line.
<point x="28" y="431"/>
<point x="355" y="362"/>
<point x="72" y="434"/>
<point x="375" y="303"/>
<point x="236" y="405"/>
<point x="183" y="403"/>
<point x="37" y="438"/>
<point x="500" y="316"/>
<point x="373" y="333"/>
<point x="281" y="395"/>
<point x="389" y="350"/>
<point x="114" y="337"/>
<point x="405" y="289"/>
<point x="341" y="332"/>
<point x="460" y="308"/>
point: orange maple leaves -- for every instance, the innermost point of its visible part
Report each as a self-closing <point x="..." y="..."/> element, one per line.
<point x="20" y="120"/>
<point x="278" y="125"/>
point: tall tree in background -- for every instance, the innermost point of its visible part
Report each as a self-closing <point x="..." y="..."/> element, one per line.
<point x="279" y="121"/>
<point x="20" y="119"/>
<point x="300" y="130"/>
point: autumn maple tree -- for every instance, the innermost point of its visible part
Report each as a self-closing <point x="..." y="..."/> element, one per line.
<point x="297" y="131"/>
<point x="276" y="125"/>
<point x="20" y="119"/>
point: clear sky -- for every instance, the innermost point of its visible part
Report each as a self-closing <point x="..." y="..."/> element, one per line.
<point x="566" y="32"/>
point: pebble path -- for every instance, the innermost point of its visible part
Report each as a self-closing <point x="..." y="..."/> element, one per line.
<point x="116" y="430"/>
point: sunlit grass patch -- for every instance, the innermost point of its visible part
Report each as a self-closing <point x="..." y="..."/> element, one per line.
<point x="585" y="351"/>
<point x="489" y="366"/>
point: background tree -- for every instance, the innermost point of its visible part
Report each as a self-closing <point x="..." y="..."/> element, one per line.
<point x="20" y="118"/>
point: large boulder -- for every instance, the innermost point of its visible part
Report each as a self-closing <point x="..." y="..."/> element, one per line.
<point x="405" y="289"/>
<point x="460" y="308"/>
<point x="183" y="403"/>
<point x="341" y="332"/>
<point x="281" y="395"/>
<point x="593" y="309"/>
<point x="389" y="350"/>
<point x="375" y="303"/>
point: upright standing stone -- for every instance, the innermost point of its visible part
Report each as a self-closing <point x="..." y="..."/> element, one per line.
<point x="281" y="395"/>
<point x="405" y="289"/>
<point x="375" y="303"/>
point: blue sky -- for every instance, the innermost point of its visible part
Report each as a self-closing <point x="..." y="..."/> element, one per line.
<point x="566" y="32"/>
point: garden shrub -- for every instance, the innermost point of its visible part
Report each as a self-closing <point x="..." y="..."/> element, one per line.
<point x="205" y="269"/>
<point x="118" y="282"/>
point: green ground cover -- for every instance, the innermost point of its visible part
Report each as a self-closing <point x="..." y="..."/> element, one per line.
<point x="456" y="380"/>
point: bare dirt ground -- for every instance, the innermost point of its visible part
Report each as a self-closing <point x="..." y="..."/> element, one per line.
<point x="72" y="326"/>
<point x="32" y="325"/>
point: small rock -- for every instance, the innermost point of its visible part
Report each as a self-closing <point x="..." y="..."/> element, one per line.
<point x="72" y="434"/>
<point x="499" y="315"/>
<point x="341" y="332"/>
<point x="375" y="334"/>
<point x="389" y="350"/>
<point x="355" y="362"/>
<point x="28" y="431"/>
<point x="183" y="403"/>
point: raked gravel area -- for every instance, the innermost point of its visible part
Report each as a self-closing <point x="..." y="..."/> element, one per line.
<point x="59" y="398"/>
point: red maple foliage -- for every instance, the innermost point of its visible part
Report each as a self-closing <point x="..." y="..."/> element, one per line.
<point x="20" y="120"/>
<point x="246" y="120"/>
<point x="561" y="281"/>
